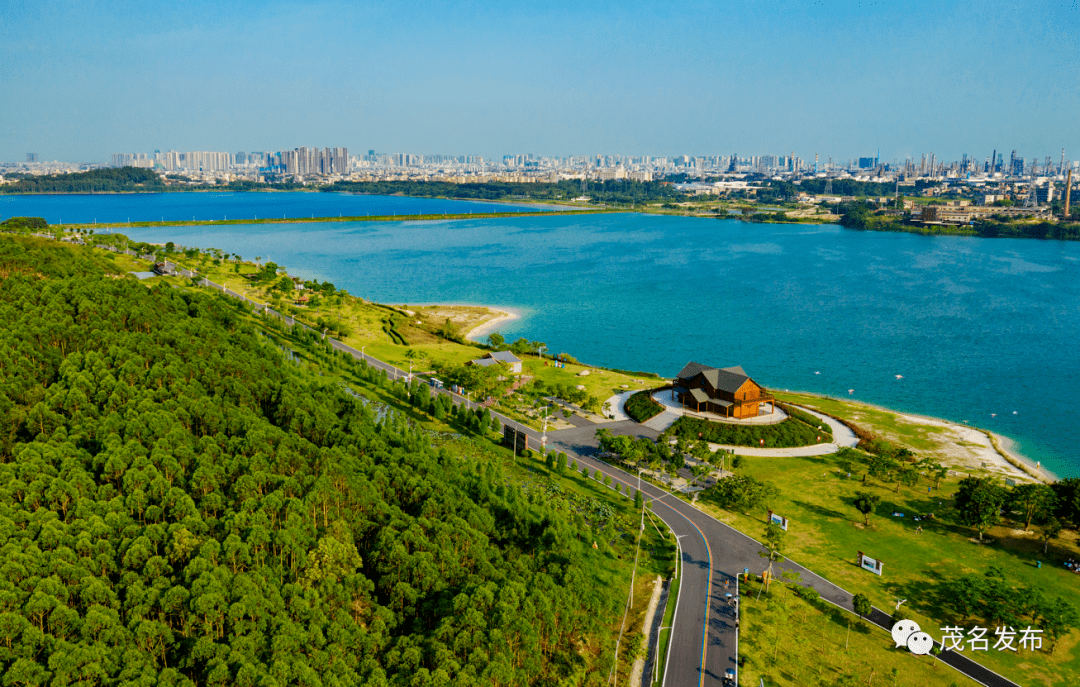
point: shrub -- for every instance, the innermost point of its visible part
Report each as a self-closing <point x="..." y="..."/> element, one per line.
<point x="641" y="406"/>
<point x="786" y="434"/>
<point x="805" y="417"/>
<point x="24" y="224"/>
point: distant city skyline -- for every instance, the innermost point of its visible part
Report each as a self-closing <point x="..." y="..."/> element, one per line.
<point x="84" y="81"/>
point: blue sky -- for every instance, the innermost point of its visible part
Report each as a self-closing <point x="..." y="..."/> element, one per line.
<point x="81" y="80"/>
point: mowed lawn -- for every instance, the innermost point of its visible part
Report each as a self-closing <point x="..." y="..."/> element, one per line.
<point x="789" y="642"/>
<point x="826" y="532"/>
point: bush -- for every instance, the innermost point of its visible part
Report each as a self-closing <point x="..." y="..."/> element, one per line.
<point x="743" y="493"/>
<point x="807" y="418"/>
<point x="24" y="224"/>
<point x="786" y="434"/>
<point x="641" y="407"/>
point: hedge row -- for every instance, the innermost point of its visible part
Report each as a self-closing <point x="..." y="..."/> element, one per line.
<point x="806" y="417"/>
<point x="641" y="407"/>
<point x="786" y="434"/>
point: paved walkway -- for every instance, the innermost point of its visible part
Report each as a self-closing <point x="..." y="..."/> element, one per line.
<point x="616" y="404"/>
<point x="842" y="434"/>
<point x="662" y="421"/>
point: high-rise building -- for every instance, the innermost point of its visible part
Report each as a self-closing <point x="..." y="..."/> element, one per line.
<point x="31" y="157"/>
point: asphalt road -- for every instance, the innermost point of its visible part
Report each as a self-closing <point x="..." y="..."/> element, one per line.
<point x="704" y="640"/>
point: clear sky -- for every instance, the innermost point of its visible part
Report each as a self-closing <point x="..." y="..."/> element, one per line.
<point x="81" y="80"/>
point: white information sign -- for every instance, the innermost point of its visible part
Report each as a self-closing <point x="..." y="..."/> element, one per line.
<point x="871" y="564"/>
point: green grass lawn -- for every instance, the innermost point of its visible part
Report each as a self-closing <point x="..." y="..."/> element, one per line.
<point x="879" y="420"/>
<point x="826" y="532"/>
<point x="787" y="641"/>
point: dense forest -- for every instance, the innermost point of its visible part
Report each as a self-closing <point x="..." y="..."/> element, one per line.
<point x="182" y="505"/>
<point x="616" y="191"/>
<point x="111" y="180"/>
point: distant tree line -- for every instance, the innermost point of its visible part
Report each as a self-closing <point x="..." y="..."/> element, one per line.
<point x="614" y="191"/>
<point x="109" y="180"/>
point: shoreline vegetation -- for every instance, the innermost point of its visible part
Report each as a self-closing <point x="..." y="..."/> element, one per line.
<point x="86" y="226"/>
<point x="996" y="453"/>
<point x="996" y="448"/>
<point x="859" y="205"/>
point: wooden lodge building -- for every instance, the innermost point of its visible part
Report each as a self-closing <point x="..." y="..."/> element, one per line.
<point x="727" y="391"/>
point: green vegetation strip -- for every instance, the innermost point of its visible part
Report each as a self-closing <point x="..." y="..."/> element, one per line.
<point x="641" y="406"/>
<point x="494" y="214"/>
<point x="786" y="434"/>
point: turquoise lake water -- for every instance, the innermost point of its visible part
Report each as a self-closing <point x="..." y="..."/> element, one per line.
<point x="202" y="206"/>
<point x="975" y="326"/>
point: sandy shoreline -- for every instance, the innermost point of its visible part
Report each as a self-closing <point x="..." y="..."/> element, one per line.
<point x="482" y="330"/>
<point x="970" y="448"/>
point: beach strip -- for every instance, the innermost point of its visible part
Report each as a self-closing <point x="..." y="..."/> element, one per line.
<point x="502" y="315"/>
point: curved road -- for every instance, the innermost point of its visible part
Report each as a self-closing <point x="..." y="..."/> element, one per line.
<point x="704" y="640"/>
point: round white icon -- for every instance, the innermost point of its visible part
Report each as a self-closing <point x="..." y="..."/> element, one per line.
<point x="902" y="629"/>
<point x="920" y="643"/>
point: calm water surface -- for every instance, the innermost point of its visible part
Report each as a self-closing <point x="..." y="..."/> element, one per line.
<point x="202" y="206"/>
<point x="975" y="326"/>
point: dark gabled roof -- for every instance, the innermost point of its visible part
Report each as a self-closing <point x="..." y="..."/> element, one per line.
<point x="691" y="370"/>
<point x="721" y="402"/>
<point x="724" y="379"/>
<point x="484" y="362"/>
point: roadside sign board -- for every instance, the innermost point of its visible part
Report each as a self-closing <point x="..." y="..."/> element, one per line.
<point x="872" y="564"/>
<point x="779" y="520"/>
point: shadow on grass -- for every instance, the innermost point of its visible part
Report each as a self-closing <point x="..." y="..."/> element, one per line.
<point x="929" y="595"/>
<point x="821" y="510"/>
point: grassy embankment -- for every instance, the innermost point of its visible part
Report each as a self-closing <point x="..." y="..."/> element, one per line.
<point x="494" y="214"/>
<point x="826" y="532"/>
<point x="392" y="333"/>
<point x="788" y="641"/>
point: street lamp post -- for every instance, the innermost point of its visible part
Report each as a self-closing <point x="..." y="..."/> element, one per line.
<point x="543" y="436"/>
